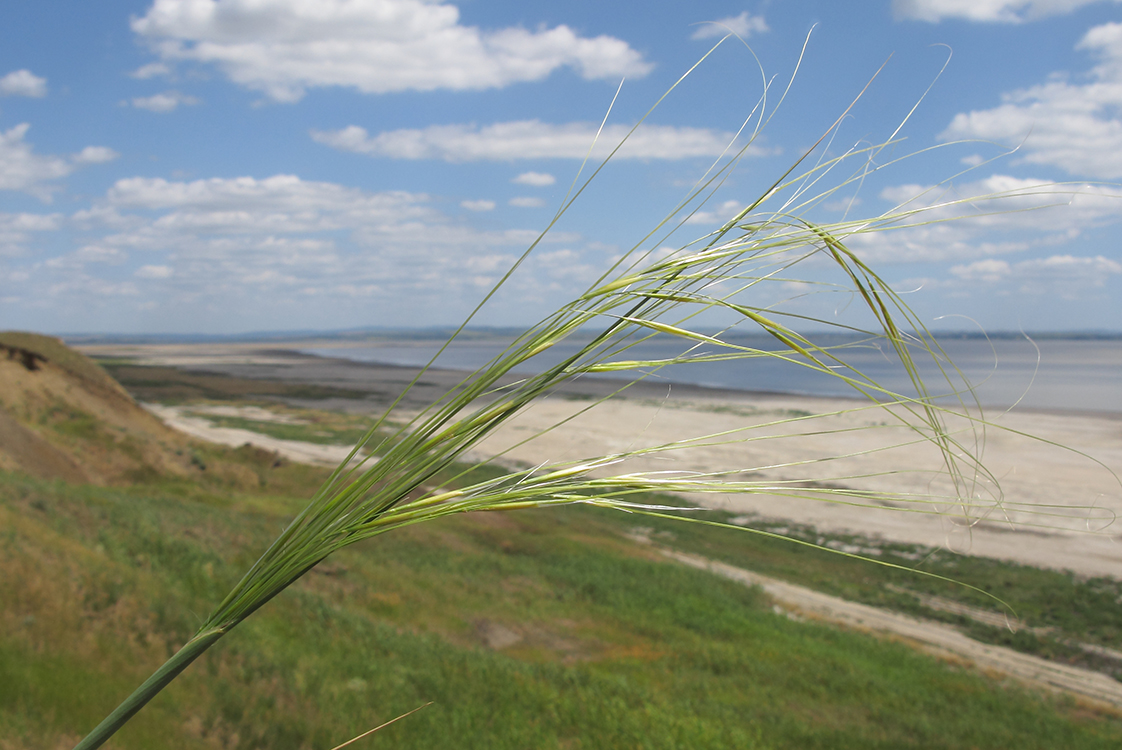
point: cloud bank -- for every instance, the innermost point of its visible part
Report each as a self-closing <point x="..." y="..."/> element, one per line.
<point x="285" y="47"/>
<point x="1065" y="124"/>
<point x="531" y="139"/>
<point x="986" y="11"/>
<point x="24" y="170"/>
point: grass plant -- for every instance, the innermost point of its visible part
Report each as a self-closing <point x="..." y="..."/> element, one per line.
<point x="724" y="276"/>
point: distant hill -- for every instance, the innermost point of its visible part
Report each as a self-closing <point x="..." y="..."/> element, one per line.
<point x="63" y="417"/>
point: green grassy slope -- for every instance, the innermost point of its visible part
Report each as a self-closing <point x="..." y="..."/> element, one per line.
<point x="542" y="629"/>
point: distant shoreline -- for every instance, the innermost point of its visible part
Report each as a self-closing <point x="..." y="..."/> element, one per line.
<point x="374" y="335"/>
<point x="291" y="360"/>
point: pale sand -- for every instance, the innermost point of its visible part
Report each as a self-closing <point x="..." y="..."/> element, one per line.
<point x="185" y="420"/>
<point x="1030" y="472"/>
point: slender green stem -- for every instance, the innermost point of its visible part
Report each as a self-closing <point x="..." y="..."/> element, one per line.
<point x="191" y="650"/>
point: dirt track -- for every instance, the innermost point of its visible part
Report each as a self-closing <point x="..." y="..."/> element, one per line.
<point x="315" y="454"/>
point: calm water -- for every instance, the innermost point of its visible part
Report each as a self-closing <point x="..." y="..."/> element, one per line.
<point x="1082" y="374"/>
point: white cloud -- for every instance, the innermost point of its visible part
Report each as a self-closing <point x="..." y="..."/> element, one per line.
<point x="989" y="270"/>
<point x="1011" y="203"/>
<point x="22" y="169"/>
<point x="480" y="205"/>
<point x="1065" y="275"/>
<point x="279" y="203"/>
<point x="932" y="243"/>
<point x="744" y="26"/>
<point x="246" y="228"/>
<point x="531" y="139"/>
<point x="81" y="286"/>
<point x="993" y="216"/>
<point x="25" y="222"/>
<point x="151" y="70"/>
<point x="94" y="155"/>
<point x="15" y="229"/>
<point x="526" y="202"/>
<point x="987" y="11"/>
<point x="1072" y="126"/>
<point x="154" y="272"/>
<point x="23" y="83"/>
<point x="164" y="102"/>
<point x="843" y="204"/>
<point x="718" y="215"/>
<point x="1092" y="270"/>
<point x="89" y="254"/>
<point x="534" y="179"/>
<point x="284" y="47"/>
<point x="253" y="250"/>
<point x="99" y="254"/>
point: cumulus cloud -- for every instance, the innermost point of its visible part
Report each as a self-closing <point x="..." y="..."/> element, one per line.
<point x="1065" y="275"/>
<point x="1010" y="203"/>
<point x="717" y="215"/>
<point x="843" y="204"/>
<point x="25" y="222"/>
<point x="934" y="243"/>
<point x="534" y="179"/>
<point x="989" y="270"/>
<point x="986" y="11"/>
<point x="165" y="102"/>
<point x="993" y="216"/>
<point x="284" y="47"/>
<point x="23" y="83"/>
<point x="94" y="155"/>
<point x="256" y="250"/>
<point x="99" y="254"/>
<point x="89" y="254"/>
<point x="530" y="139"/>
<point x="154" y="272"/>
<point x="1074" y="126"/>
<point x="526" y="202"/>
<point x="281" y="202"/>
<point x="480" y="205"/>
<point x="744" y="26"/>
<point x="15" y="229"/>
<point x="282" y="231"/>
<point x="151" y="70"/>
<point x="22" y="169"/>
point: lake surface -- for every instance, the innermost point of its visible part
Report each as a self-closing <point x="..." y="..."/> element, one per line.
<point x="1079" y="373"/>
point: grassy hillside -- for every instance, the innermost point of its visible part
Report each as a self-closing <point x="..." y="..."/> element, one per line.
<point x="63" y="417"/>
<point x="539" y="629"/>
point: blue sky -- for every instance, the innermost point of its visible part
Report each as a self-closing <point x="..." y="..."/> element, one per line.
<point x="216" y="167"/>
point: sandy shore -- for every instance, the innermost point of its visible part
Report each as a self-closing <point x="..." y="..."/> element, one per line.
<point x="186" y="420"/>
<point x="1052" y="512"/>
